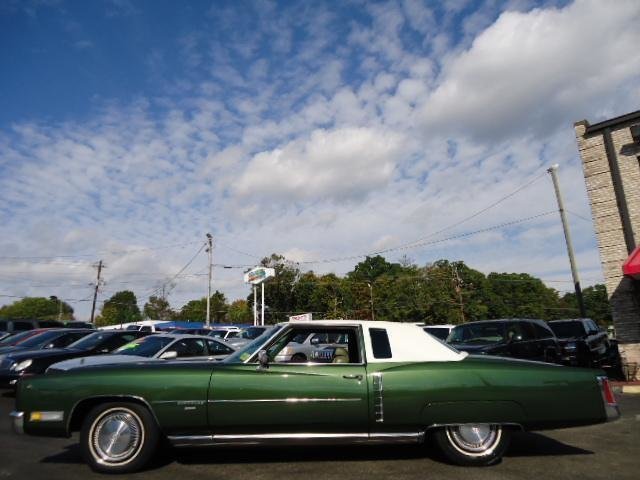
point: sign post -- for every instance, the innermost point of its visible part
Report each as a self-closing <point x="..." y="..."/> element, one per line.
<point x="258" y="276"/>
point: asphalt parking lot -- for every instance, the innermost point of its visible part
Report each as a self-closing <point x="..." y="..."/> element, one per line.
<point x="602" y="451"/>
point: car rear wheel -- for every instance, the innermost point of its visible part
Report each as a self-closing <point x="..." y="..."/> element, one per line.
<point x="473" y="444"/>
<point x="118" y="437"/>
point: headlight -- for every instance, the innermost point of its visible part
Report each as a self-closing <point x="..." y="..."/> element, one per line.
<point x="18" y="367"/>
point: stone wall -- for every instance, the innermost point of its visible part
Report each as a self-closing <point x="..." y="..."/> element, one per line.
<point x="623" y="292"/>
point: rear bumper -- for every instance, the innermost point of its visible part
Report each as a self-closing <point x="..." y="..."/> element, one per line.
<point x="17" y="422"/>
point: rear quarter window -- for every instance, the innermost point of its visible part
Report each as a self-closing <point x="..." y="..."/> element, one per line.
<point x="380" y="343"/>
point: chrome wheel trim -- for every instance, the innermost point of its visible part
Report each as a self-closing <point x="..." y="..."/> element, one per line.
<point x="474" y="440"/>
<point x="116" y="437"/>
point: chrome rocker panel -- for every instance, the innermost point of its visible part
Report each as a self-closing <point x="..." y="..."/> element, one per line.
<point x="294" y="438"/>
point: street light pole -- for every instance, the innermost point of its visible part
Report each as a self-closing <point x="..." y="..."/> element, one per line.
<point x="210" y="252"/>
<point x="553" y="170"/>
<point x="373" y="316"/>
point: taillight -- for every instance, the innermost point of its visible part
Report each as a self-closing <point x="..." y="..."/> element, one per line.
<point x="607" y="392"/>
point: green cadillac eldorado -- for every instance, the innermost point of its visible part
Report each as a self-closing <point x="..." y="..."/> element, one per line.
<point x="363" y="382"/>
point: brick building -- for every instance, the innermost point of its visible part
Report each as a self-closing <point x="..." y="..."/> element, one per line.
<point x="610" y="152"/>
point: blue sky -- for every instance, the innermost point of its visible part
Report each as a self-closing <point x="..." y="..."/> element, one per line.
<point x="319" y="130"/>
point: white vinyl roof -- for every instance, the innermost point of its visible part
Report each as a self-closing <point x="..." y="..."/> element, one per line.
<point x="409" y="342"/>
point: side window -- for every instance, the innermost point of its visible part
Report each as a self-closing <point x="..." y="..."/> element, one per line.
<point x="216" y="348"/>
<point x="117" y="341"/>
<point x="64" y="340"/>
<point x="325" y="345"/>
<point x="542" y="332"/>
<point x="191" y="347"/>
<point x="22" y="326"/>
<point x="380" y="343"/>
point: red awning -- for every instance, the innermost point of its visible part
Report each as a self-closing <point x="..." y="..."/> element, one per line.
<point x="631" y="266"/>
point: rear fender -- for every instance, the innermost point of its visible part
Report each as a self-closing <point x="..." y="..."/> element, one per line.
<point x="470" y="411"/>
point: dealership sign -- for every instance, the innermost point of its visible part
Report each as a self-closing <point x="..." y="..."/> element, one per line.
<point x="305" y="317"/>
<point x="258" y="275"/>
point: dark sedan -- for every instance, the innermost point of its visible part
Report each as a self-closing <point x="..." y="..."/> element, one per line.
<point x="518" y="338"/>
<point x="45" y="338"/>
<point x="32" y="362"/>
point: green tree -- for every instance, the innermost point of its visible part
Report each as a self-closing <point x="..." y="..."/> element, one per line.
<point x="38" y="308"/>
<point x="157" y="308"/>
<point x="196" y="310"/>
<point x="240" y="312"/>
<point x="596" y="304"/>
<point x="520" y="295"/>
<point x="122" y="307"/>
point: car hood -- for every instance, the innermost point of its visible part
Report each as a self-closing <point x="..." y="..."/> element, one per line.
<point x="48" y="352"/>
<point x="98" y="360"/>
<point x="9" y="349"/>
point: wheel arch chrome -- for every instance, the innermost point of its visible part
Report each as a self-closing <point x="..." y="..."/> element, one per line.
<point x="511" y="425"/>
<point x="82" y="407"/>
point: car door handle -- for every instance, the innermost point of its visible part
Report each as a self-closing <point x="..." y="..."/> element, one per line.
<point x="352" y="377"/>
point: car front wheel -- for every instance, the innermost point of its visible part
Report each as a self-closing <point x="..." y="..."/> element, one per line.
<point x="473" y="444"/>
<point x="118" y="437"/>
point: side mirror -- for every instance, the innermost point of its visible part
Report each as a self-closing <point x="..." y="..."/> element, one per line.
<point x="593" y="332"/>
<point x="169" y="355"/>
<point x="263" y="359"/>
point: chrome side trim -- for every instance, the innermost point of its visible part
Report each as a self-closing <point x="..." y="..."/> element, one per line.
<point x="17" y="422"/>
<point x="179" y="402"/>
<point x="378" y="401"/>
<point x="504" y="424"/>
<point x="288" y="400"/>
<point x="294" y="438"/>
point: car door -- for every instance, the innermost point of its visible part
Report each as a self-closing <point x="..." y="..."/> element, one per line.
<point x="522" y="341"/>
<point x="323" y="398"/>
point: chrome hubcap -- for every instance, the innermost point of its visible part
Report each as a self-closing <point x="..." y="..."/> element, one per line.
<point x="474" y="439"/>
<point x="116" y="436"/>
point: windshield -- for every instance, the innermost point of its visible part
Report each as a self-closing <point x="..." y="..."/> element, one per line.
<point x="144" y="347"/>
<point x="40" y="339"/>
<point x="90" y="341"/>
<point x="15" y="338"/>
<point x="567" y="329"/>
<point x="481" y="333"/>
<point x="251" y="333"/>
<point x="244" y="353"/>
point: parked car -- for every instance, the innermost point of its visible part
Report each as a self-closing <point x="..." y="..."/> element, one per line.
<point x="224" y="332"/>
<point x="77" y="324"/>
<point x="583" y="342"/>
<point x="20" y="325"/>
<point x="396" y="385"/>
<point x="307" y="346"/>
<point x="518" y="338"/>
<point x="154" y="348"/>
<point x="31" y="362"/>
<point x="191" y="331"/>
<point x="244" y="336"/>
<point x="438" y="331"/>
<point x="45" y="339"/>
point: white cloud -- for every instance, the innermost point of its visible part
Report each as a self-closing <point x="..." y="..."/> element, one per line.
<point x="340" y="164"/>
<point x="535" y="71"/>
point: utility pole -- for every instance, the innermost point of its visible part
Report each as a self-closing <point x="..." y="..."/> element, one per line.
<point x="373" y="316"/>
<point x="95" y="292"/>
<point x="458" y="287"/>
<point x="553" y="170"/>
<point x="210" y="252"/>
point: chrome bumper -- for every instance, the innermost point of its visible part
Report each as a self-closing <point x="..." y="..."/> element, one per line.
<point x="18" y="422"/>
